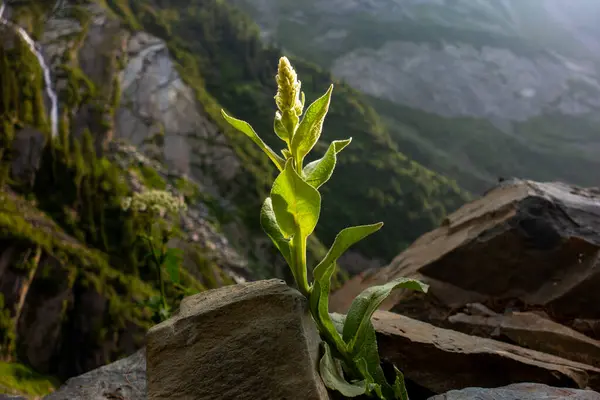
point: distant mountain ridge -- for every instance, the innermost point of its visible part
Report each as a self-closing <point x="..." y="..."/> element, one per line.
<point x="474" y="89"/>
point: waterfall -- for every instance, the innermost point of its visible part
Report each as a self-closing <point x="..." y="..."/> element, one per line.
<point x="35" y="49"/>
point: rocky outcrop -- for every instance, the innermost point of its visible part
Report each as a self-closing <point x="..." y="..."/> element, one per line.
<point x="156" y="101"/>
<point x="533" y="331"/>
<point x="124" y="380"/>
<point x="249" y="341"/>
<point x="442" y="360"/>
<point x="532" y="245"/>
<point x="519" y="391"/>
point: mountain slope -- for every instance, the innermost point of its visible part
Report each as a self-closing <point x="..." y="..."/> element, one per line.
<point x="513" y="86"/>
<point x="140" y="86"/>
<point x="222" y="57"/>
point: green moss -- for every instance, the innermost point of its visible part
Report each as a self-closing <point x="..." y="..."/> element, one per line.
<point x="150" y="178"/>
<point x="19" y="379"/>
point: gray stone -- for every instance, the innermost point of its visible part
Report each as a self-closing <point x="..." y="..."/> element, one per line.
<point x="519" y="391"/>
<point x="123" y="380"/>
<point x="247" y="341"/>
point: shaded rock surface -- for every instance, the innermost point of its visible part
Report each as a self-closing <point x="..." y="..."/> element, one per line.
<point x="519" y="391"/>
<point x="248" y="341"/>
<point x="123" y="380"/>
<point x="533" y="246"/>
<point x="532" y="331"/>
<point x="442" y="360"/>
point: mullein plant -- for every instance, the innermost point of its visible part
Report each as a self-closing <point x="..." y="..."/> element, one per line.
<point x="350" y="360"/>
<point x="153" y="206"/>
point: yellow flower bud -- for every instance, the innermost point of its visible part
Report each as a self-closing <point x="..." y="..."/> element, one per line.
<point x="288" y="88"/>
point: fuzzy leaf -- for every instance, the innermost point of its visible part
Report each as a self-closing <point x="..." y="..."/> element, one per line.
<point x="310" y="128"/>
<point x="272" y="229"/>
<point x="279" y="127"/>
<point x="296" y="204"/>
<point x="346" y="238"/>
<point x="171" y="262"/>
<point x="364" y="305"/>
<point x="333" y="377"/>
<point x="319" y="171"/>
<point x="245" y="128"/>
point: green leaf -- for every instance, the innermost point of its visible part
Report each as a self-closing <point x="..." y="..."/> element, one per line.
<point x="319" y="306"/>
<point x="279" y="127"/>
<point x="319" y="171"/>
<point x="333" y="377"/>
<point x="364" y="305"/>
<point x="296" y="204"/>
<point x="310" y="128"/>
<point x="272" y="229"/>
<point x="346" y="238"/>
<point x="245" y="128"/>
<point x="172" y="260"/>
<point x="399" y="386"/>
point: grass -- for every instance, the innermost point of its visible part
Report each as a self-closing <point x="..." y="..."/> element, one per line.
<point x="19" y="379"/>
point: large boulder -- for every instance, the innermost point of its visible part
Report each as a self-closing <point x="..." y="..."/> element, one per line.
<point x="248" y="341"/>
<point x="519" y="391"/>
<point x="442" y="360"/>
<point x="523" y="245"/>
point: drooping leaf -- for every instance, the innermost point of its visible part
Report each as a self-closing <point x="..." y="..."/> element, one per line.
<point x="245" y="128"/>
<point x="172" y="260"/>
<point x="310" y="128"/>
<point x="346" y="238"/>
<point x="333" y="377"/>
<point x="364" y="305"/>
<point x="319" y="171"/>
<point x="296" y="204"/>
<point x="272" y="229"/>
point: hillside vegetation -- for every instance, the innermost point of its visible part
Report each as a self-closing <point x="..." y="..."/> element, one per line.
<point x="221" y="56"/>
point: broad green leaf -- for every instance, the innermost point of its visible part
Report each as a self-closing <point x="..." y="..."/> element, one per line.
<point x="364" y="305"/>
<point x="296" y="204"/>
<point x="367" y="350"/>
<point x="245" y="128"/>
<point x="172" y="260"/>
<point x="310" y="128"/>
<point x="319" y="171"/>
<point x="346" y="238"/>
<point x="271" y="228"/>
<point x="333" y="377"/>
<point x="280" y="128"/>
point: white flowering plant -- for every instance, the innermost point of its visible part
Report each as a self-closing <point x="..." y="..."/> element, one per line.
<point x="154" y="205"/>
<point x="350" y="362"/>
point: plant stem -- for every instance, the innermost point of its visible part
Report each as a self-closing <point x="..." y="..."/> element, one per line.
<point x="159" y="272"/>
<point x="300" y="267"/>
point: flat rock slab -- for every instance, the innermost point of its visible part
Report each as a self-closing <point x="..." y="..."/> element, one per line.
<point x="442" y="360"/>
<point x="519" y="391"/>
<point x="249" y="341"/>
<point x="122" y="380"/>
<point x="534" y="332"/>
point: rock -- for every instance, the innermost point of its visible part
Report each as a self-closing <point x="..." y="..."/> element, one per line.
<point x="442" y="360"/>
<point x="9" y="397"/>
<point x="123" y="380"/>
<point x="519" y="391"/>
<point x="523" y="243"/>
<point x="248" y="341"/>
<point x="534" y="332"/>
